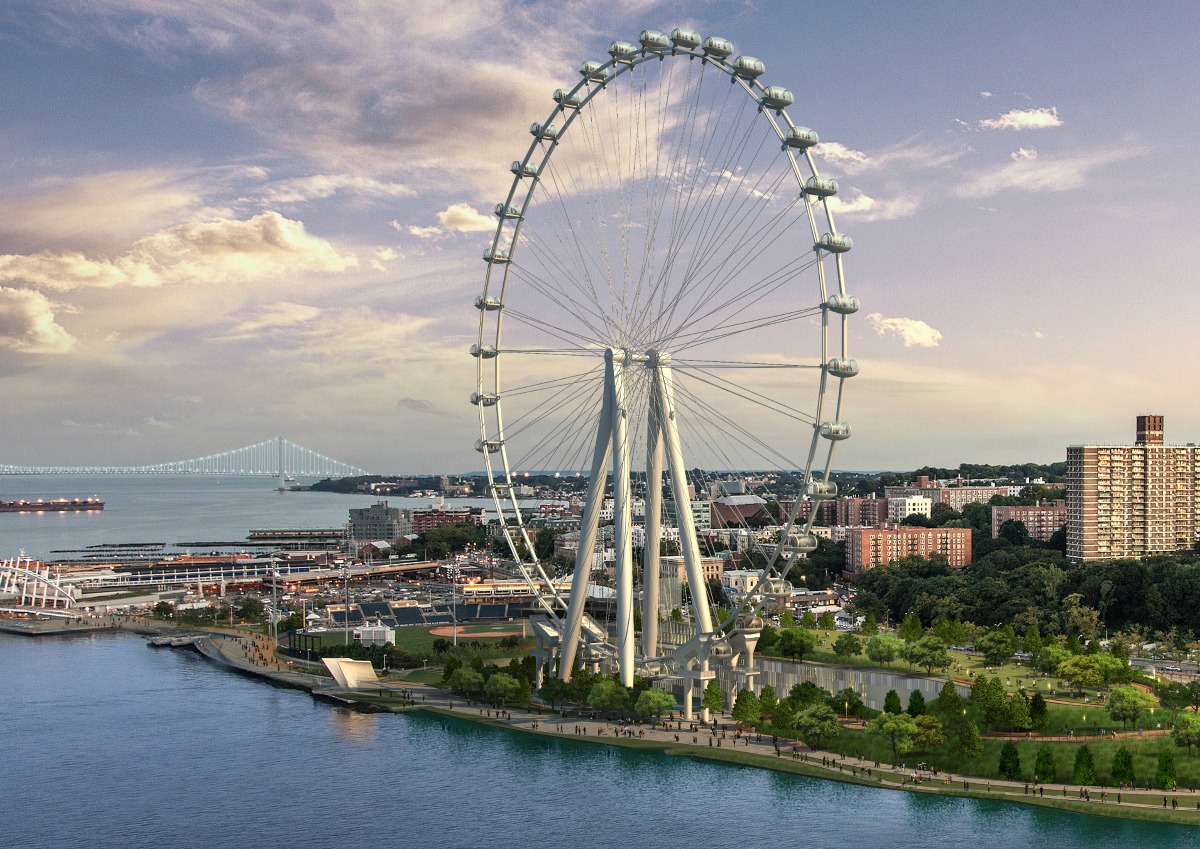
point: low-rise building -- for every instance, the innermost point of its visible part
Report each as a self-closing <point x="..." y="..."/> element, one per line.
<point x="1041" y="520"/>
<point x="867" y="548"/>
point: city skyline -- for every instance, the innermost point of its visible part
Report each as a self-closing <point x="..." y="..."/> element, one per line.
<point x="226" y="222"/>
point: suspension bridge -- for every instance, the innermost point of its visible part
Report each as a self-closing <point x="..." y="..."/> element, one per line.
<point x="276" y="457"/>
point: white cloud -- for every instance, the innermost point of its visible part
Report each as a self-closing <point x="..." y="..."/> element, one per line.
<point x="914" y="332"/>
<point x="1039" y="174"/>
<point x="320" y="186"/>
<point x="1022" y="153"/>
<point x="839" y="154"/>
<point x="985" y="94"/>
<point x="862" y="207"/>
<point x="1024" y="119"/>
<point x="271" y="317"/>
<point x="28" y="326"/>
<point x="431" y="232"/>
<point x="462" y="218"/>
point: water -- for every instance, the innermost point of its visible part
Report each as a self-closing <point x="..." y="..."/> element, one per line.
<point x="169" y="509"/>
<point x="110" y="743"/>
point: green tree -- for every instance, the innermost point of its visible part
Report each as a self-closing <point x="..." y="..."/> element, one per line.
<point x="746" y="708"/>
<point x="251" y="610"/>
<point x="804" y="694"/>
<point x="846" y="701"/>
<point x="1010" y="762"/>
<point x="1018" y="712"/>
<point x="891" y="702"/>
<point x="826" y="623"/>
<point x="608" y="696"/>
<point x="554" y="691"/>
<point x="911" y="628"/>
<point x="713" y="698"/>
<point x="897" y="728"/>
<point x="1081" y="671"/>
<point x="970" y="742"/>
<point x="929" y="734"/>
<point x="1164" y="773"/>
<point x="767" y="701"/>
<point x="1126" y="704"/>
<point x="847" y="646"/>
<point x="1039" y="713"/>
<point x="883" y="648"/>
<point x="1114" y="670"/>
<point x="996" y="646"/>
<point x="502" y="688"/>
<point x="653" y="702"/>
<point x="797" y="642"/>
<point x="816" y="723"/>
<point x="784" y="717"/>
<point x="916" y="704"/>
<point x="1173" y="696"/>
<point x="1122" y="768"/>
<point x="1043" y="768"/>
<point x="164" y="609"/>
<point x="1049" y="657"/>
<point x="1033" y="639"/>
<point x="807" y="620"/>
<point x="1186" y="730"/>
<point x="928" y="652"/>
<point x="870" y="625"/>
<point x="466" y="682"/>
<point x="1084" y="771"/>
<point x="948" y="702"/>
<point x="787" y="620"/>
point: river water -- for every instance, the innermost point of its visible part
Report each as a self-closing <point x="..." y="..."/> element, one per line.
<point x="108" y="742"/>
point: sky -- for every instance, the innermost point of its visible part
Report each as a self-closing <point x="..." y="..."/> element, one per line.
<point x="226" y="221"/>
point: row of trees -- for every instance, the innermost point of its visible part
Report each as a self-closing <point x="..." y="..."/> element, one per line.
<point x="1084" y="772"/>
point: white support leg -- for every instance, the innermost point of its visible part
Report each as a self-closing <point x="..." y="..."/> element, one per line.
<point x="587" y="532"/>
<point x="622" y="521"/>
<point x="650" y="564"/>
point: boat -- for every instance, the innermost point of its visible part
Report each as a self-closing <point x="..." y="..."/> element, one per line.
<point x="57" y="505"/>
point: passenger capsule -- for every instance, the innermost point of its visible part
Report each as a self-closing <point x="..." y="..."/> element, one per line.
<point x="842" y="304"/>
<point x="718" y="47"/>
<point x="594" y="72"/>
<point x="800" y="138"/>
<point x="543" y="131"/>
<point x="486" y="399"/>
<point x="800" y="544"/>
<point x="503" y="211"/>
<point x="748" y="67"/>
<point x="496" y="257"/>
<point x="653" y="41"/>
<point x="523" y="169"/>
<point x="775" y="97"/>
<point x="821" y="187"/>
<point x="484" y="352"/>
<point x="835" y="431"/>
<point x="488" y="446"/>
<point x="842" y="367"/>
<point x="777" y="586"/>
<point x="822" y="490"/>
<point x="620" y="50"/>
<point x="685" y="38"/>
<point x="488" y="303"/>
<point x="835" y="243"/>
<point x="566" y="99"/>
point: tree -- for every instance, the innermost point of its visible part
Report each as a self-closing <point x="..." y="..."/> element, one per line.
<point x="948" y="702"/>
<point x="816" y="723"/>
<point x="897" y="728"/>
<point x="797" y="642"/>
<point x="1126" y="704"/>
<point x="891" y="702"/>
<point x="653" y="703"/>
<point x="746" y="708"/>
<point x="502" y="688"/>
<point x="784" y="717"/>
<point x="787" y="620"/>
<point x="608" y="695"/>
<point x="929" y="652"/>
<point x="1043" y="768"/>
<point x="1084" y="771"/>
<point x="713" y="698"/>
<point x="996" y="646"/>
<point x="1013" y="531"/>
<point x="929" y="734"/>
<point x="767" y="701"/>
<point x="911" y="628"/>
<point x="164" y="609"/>
<point x="970" y="743"/>
<point x="847" y="645"/>
<point x="251" y="610"/>
<point x="883" y="648"/>
<point x="1033" y="639"/>
<point x="987" y="694"/>
<point x="804" y="694"/>
<point x="807" y="620"/>
<point x="554" y="690"/>
<point x="1122" y="768"/>
<point x="1039" y="713"/>
<point x="1173" y="696"/>
<point x="1164" y="773"/>
<point x="846" y="701"/>
<point x="1114" y="670"/>
<point x="1081" y="671"/>
<point x="1049" y="657"/>
<point x="1186" y="730"/>
<point x="466" y="682"/>
<point x="1018" y="712"/>
<point x="1010" y="762"/>
<point x="870" y="625"/>
<point x="916" y="704"/>
<point x="826" y="623"/>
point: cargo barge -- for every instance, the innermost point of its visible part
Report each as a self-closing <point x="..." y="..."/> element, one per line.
<point x="57" y="505"/>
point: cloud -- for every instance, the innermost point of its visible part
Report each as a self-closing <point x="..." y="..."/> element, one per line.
<point x="206" y="252"/>
<point x="1030" y="172"/>
<point x="839" y="154"/>
<point x="1023" y="153"/>
<point x="271" y="317"/>
<point x="431" y="232"/>
<point x="320" y="186"/>
<point x="862" y="207"/>
<point x="914" y="332"/>
<point x="908" y="154"/>
<point x="28" y="326"/>
<point x="985" y="94"/>
<point x="1024" y="119"/>
<point x="462" y="218"/>
<point x="416" y="405"/>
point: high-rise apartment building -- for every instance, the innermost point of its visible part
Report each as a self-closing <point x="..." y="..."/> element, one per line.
<point x="867" y="548"/>
<point x="1042" y="521"/>
<point x="1132" y="500"/>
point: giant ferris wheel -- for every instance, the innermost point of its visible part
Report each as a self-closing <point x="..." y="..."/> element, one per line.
<point x="664" y="294"/>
